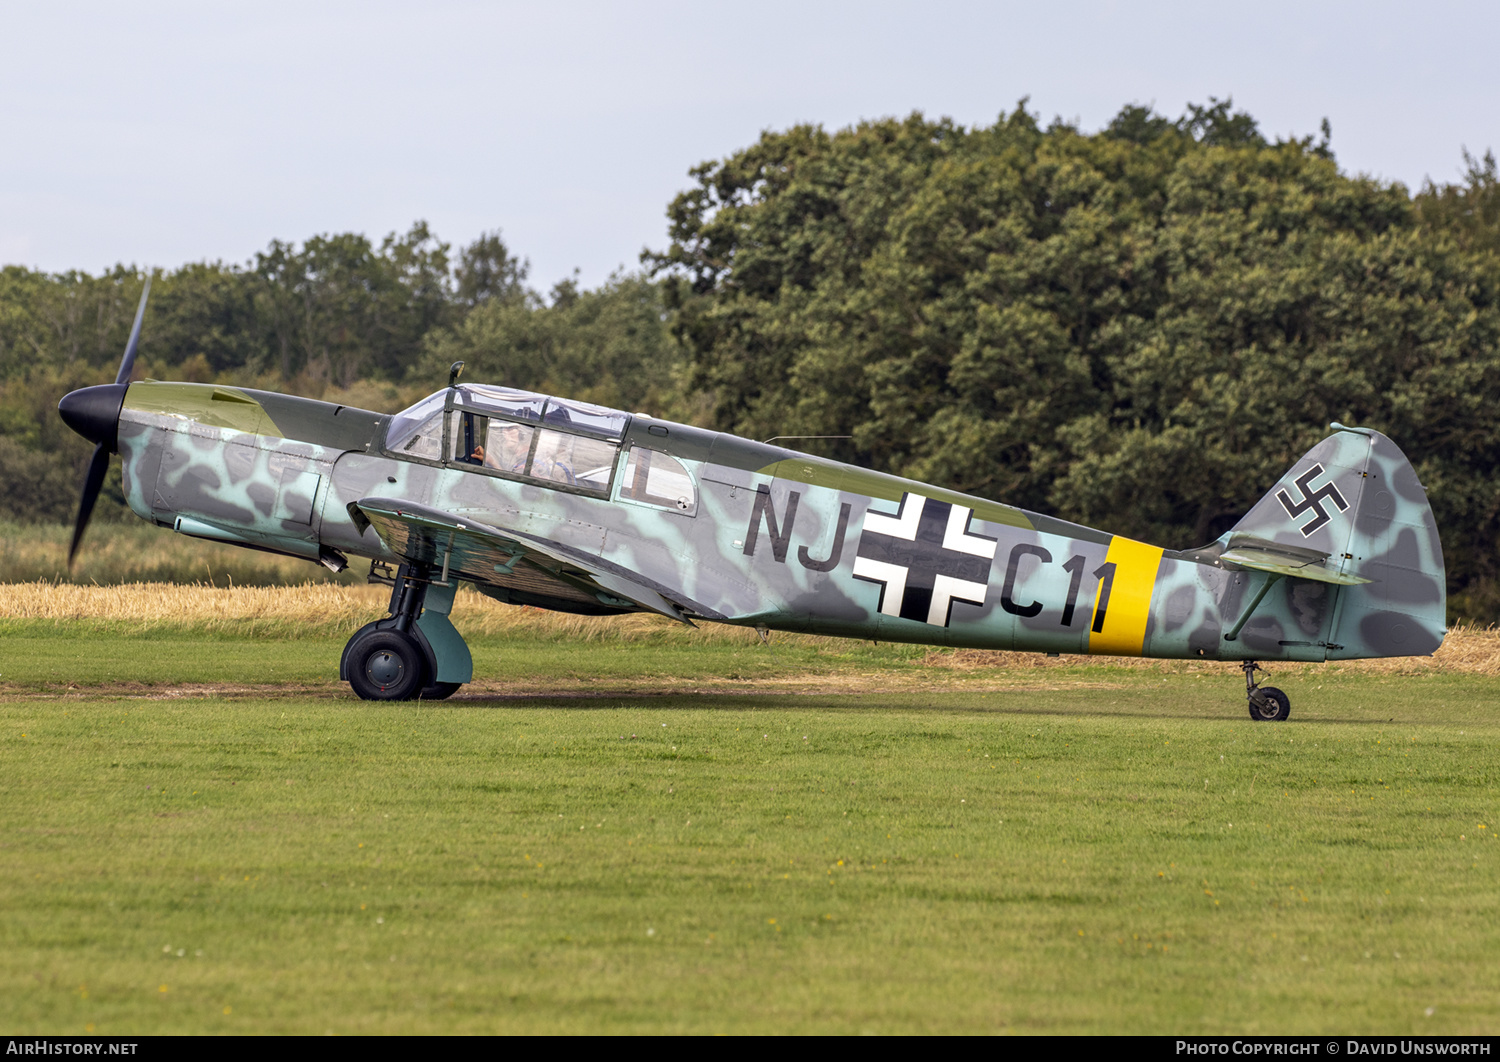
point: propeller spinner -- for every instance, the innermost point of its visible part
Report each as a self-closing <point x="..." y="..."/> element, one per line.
<point x="94" y="413"/>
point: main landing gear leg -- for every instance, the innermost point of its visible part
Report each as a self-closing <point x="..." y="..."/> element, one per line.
<point x="1267" y="703"/>
<point x="413" y="653"/>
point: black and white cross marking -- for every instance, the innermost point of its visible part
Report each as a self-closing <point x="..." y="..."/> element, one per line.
<point x="1311" y="499"/>
<point x="924" y="558"/>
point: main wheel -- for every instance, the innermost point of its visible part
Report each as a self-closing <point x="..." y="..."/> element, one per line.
<point x="386" y="666"/>
<point x="440" y="691"/>
<point x="1278" y="706"/>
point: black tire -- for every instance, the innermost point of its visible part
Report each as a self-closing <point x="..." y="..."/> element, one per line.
<point x="1278" y="706"/>
<point x="386" y="666"/>
<point x="440" y="691"/>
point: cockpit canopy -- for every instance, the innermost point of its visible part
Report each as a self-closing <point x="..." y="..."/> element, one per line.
<point x="417" y="430"/>
<point x="561" y="413"/>
<point x="513" y="433"/>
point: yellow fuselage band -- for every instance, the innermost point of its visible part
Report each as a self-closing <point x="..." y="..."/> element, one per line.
<point x="1129" y="606"/>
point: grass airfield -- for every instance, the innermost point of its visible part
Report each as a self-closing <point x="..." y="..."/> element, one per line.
<point x="661" y="831"/>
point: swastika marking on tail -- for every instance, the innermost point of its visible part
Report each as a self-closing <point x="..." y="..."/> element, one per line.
<point x="1312" y="500"/>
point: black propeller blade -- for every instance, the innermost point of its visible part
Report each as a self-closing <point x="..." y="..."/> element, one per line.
<point x="93" y="480"/>
<point x="85" y="415"/>
<point x="127" y="363"/>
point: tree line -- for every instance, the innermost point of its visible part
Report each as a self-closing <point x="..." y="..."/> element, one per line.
<point x="1138" y="328"/>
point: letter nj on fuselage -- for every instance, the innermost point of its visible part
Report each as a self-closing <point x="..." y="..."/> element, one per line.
<point x="923" y="556"/>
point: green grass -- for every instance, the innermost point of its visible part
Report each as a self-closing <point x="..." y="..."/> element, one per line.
<point x="1093" y="850"/>
<point x="39" y="655"/>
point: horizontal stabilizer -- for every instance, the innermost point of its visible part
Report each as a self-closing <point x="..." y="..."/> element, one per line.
<point x="1315" y="566"/>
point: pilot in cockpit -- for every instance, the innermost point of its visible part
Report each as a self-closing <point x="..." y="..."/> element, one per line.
<point x="510" y="446"/>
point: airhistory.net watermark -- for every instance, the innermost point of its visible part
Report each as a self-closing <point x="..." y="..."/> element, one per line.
<point x="68" y="1047"/>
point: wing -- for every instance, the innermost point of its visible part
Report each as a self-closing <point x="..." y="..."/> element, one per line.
<point x="512" y="560"/>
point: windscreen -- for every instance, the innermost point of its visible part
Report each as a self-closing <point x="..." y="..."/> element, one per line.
<point x="417" y="430"/>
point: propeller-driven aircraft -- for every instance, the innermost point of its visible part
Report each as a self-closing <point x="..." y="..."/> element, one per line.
<point x="543" y="501"/>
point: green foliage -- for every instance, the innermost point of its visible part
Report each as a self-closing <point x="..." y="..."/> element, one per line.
<point x="610" y="345"/>
<point x="487" y="270"/>
<point x="1469" y="212"/>
<point x="333" y="310"/>
<point x="1139" y="329"/>
<point x="29" y="481"/>
<point x="41" y="461"/>
<point x="64" y="321"/>
<point x="339" y="306"/>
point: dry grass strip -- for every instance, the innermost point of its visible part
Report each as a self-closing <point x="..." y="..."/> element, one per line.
<point x="143" y="606"/>
<point x="1467" y="650"/>
<point x="189" y="603"/>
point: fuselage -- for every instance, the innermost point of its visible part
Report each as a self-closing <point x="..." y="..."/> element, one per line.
<point x="729" y="529"/>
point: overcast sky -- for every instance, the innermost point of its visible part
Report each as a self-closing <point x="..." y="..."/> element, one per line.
<point x="162" y="133"/>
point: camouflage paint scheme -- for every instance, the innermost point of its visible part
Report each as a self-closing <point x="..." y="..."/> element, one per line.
<point x="1340" y="560"/>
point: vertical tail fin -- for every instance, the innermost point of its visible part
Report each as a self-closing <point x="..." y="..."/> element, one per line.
<point x="1354" y="514"/>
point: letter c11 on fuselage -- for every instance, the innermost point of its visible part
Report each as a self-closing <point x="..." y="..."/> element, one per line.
<point x="564" y="505"/>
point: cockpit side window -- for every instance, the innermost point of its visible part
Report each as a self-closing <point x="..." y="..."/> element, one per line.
<point x="573" y="459"/>
<point x="499" y="445"/>
<point x="538" y="453"/>
<point x="655" y="478"/>
<point x="509" y="447"/>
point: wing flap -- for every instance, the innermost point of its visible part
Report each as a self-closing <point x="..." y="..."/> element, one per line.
<point x="491" y="556"/>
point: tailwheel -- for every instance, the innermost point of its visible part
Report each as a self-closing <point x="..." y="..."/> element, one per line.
<point x="386" y="665"/>
<point x="1267" y="703"/>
